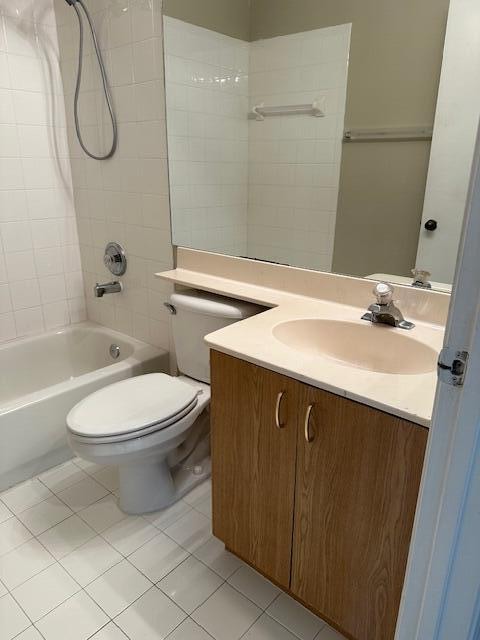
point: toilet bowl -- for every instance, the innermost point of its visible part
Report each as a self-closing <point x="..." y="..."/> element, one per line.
<point x="155" y="427"/>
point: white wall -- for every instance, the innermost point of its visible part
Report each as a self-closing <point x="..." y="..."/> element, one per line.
<point x="207" y="103"/>
<point x="124" y="199"/>
<point x="40" y="273"/>
<point x="456" y="121"/>
<point x="294" y="161"/>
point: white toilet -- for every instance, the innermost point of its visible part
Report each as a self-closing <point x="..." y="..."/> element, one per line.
<point x="155" y="427"/>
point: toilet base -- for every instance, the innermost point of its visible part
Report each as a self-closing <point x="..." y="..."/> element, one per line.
<point x="145" y="487"/>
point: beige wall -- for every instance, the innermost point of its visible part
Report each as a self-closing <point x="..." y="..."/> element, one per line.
<point x="231" y="17"/>
<point x="395" y="59"/>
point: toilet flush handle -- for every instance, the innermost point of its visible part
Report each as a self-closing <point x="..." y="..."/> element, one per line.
<point x="171" y="308"/>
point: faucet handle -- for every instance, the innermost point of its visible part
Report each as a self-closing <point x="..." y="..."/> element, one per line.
<point x="383" y="291"/>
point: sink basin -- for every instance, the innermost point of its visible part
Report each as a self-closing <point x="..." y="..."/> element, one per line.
<point x="371" y="347"/>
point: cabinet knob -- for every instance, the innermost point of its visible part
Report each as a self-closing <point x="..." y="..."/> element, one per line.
<point x="309" y="437"/>
<point x="431" y="225"/>
<point x="279" y="424"/>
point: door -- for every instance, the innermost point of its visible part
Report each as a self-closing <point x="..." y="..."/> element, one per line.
<point x="253" y="463"/>
<point x="358" y="474"/>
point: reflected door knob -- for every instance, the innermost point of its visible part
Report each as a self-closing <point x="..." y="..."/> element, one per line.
<point x="431" y="225"/>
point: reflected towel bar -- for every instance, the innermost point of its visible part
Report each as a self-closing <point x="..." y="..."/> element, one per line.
<point x="388" y="135"/>
<point x="260" y="111"/>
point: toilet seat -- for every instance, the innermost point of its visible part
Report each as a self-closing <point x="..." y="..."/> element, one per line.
<point x="132" y="408"/>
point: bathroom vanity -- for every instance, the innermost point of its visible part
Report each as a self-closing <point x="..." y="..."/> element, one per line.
<point x="315" y="491"/>
<point x="319" y="427"/>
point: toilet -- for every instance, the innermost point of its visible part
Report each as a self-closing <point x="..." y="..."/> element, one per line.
<point x="155" y="427"/>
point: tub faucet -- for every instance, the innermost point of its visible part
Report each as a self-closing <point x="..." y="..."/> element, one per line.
<point x="384" y="310"/>
<point x="101" y="290"/>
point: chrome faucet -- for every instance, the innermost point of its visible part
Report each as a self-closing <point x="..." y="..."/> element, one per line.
<point x="421" y="279"/>
<point x="100" y="290"/>
<point x="384" y="310"/>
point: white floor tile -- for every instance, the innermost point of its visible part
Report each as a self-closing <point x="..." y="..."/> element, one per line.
<point x="24" y="562"/>
<point x="79" y="615"/>
<point x="190" y="531"/>
<point x="166" y="517"/>
<point x="110" y="632"/>
<point x="25" y="495"/>
<point x="103" y="514"/>
<point x="158" y="556"/>
<point x="129" y="534"/>
<point x="327" y="633"/>
<point x="82" y="494"/>
<point x="116" y="589"/>
<point x="13" y="619"/>
<point x="190" y="584"/>
<point x="189" y="630"/>
<point x="107" y="477"/>
<point x="62" y="477"/>
<point x="89" y="561"/>
<point x="87" y="466"/>
<point x="254" y="586"/>
<point x="199" y="494"/>
<point x="296" y="618"/>
<point x="67" y="536"/>
<point x="30" y="634"/>
<point x="12" y="535"/>
<point x="226" y="615"/>
<point x="45" y="515"/>
<point x="214" y="554"/>
<point x="151" y="617"/>
<point x="5" y="512"/>
<point x="205" y="507"/>
<point x="266" y="628"/>
<point x="45" y="591"/>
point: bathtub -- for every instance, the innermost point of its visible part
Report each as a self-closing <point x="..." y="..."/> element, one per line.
<point x="43" y="377"/>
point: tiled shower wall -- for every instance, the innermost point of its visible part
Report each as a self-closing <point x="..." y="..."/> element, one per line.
<point x="207" y="102"/>
<point x="294" y="162"/>
<point x="40" y="273"/>
<point x="124" y="199"/>
<point x="267" y="189"/>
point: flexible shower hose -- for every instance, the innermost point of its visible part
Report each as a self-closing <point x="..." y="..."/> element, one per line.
<point x="103" y="73"/>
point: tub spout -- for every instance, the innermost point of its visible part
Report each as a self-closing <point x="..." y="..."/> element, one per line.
<point x="100" y="290"/>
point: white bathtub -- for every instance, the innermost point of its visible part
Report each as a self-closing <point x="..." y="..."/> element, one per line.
<point x="43" y="377"/>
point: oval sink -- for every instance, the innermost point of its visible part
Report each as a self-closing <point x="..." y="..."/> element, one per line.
<point x="371" y="347"/>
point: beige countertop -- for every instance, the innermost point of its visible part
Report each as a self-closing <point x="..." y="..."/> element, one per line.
<point x="409" y="396"/>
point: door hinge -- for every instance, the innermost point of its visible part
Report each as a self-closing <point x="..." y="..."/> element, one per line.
<point x="452" y="366"/>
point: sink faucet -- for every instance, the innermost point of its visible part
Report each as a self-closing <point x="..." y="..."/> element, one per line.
<point x="421" y="279"/>
<point x="384" y="310"/>
<point x="100" y="290"/>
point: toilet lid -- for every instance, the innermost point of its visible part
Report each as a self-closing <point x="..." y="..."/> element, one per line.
<point x="131" y="405"/>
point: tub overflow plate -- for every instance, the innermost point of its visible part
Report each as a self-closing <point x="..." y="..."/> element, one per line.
<point x="114" y="351"/>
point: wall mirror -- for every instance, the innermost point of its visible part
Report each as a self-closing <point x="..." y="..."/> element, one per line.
<point x="335" y="135"/>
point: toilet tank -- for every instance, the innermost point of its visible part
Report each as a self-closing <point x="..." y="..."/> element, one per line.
<point x="196" y="315"/>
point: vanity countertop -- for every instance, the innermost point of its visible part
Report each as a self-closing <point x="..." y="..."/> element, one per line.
<point x="409" y="396"/>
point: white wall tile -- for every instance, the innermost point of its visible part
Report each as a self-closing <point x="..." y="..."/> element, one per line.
<point x="35" y="182"/>
<point x="294" y="171"/>
<point x="125" y="199"/>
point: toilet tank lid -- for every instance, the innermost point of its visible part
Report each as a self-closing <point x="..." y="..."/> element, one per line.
<point x="210" y="304"/>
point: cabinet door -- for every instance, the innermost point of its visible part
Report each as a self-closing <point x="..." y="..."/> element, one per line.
<point x="253" y="463"/>
<point x="356" y="493"/>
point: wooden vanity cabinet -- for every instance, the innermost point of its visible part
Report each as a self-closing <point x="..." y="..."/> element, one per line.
<point x="357" y="484"/>
<point x="316" y="492"/>
<point x="253" y="464"/>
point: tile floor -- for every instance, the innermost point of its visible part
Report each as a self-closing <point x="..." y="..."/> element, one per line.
<point x="73" y="566"/>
